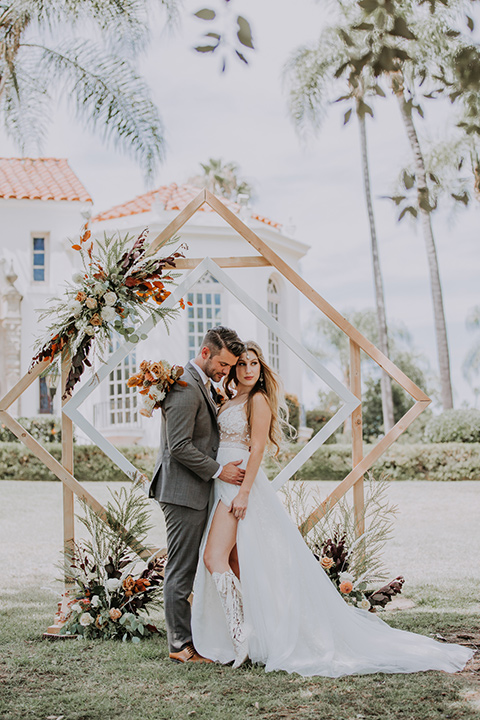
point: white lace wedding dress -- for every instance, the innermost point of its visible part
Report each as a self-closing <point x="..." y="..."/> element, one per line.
<point x="294" y="617"/>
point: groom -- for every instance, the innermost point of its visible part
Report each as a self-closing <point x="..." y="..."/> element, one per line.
<point x="182" y="477"/>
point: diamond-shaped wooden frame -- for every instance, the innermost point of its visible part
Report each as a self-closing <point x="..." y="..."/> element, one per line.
<point x="267" y="257"/>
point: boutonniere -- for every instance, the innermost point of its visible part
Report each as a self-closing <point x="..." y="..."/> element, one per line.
<point x="219" y="397"/>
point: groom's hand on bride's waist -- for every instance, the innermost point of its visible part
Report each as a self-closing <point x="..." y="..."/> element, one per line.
<point x="232" y="474"/>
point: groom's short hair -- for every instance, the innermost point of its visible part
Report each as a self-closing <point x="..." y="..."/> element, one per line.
<point x="221" y="337"/>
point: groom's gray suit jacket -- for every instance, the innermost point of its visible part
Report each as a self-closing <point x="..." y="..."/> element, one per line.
<point x="188" y="446"/>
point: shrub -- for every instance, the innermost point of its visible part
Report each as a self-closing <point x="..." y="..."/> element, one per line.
<point x="18" y="463"/>
<point x="44" y="428"/>
<point x="437" y="461"/>
<point x="420" y="461"/>
<point x="293" y="410"/>
<point x="316" y="419"/>
<point x="454" y="426"/>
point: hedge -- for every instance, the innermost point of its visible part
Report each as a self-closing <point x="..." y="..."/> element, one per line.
<point x="461" y="425"/>
<point x="439" y="461"/>
<point x="18" y="463"/>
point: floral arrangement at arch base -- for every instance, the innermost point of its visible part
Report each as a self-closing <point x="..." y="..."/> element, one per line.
<point x="119" y="286"/>
<point x="111" y="598"/>
<point x="353" y="564"/>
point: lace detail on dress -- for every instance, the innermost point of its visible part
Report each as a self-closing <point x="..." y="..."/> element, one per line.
<point x="234" y="427"/>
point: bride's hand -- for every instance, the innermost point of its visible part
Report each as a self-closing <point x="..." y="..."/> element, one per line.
<point x="238" y="508"/>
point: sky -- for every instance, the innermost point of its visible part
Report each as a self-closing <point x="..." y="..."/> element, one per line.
<point x="314" y="184"/>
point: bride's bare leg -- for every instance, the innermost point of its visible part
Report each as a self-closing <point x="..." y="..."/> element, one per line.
<point x="221" y="540"/>
<point x="233" y="561"/>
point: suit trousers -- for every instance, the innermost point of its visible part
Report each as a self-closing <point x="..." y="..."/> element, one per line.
<point x="185" y="528"/>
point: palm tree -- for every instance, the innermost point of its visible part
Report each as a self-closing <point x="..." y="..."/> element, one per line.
<point x="222" y="179"/>
<point x="313" y="76"/>
<point x="471" y="365"/>
<point x="95" y="73"/>
<point x="382" y="44"/>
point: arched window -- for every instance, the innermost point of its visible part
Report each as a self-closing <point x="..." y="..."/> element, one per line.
<point x="205" y="311"/>
<point x="273" y="304"/>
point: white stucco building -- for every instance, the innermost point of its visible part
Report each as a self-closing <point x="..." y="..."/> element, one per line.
<point x="35" y="247"/>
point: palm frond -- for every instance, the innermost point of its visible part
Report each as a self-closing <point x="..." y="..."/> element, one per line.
<point x="108" y="96"/>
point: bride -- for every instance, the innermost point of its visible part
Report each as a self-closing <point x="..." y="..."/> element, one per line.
<point x="259" y="592"/>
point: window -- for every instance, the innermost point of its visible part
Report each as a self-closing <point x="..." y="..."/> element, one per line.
<point x="39" y="258"/>
<point x="122" y="400"/>
<point x="273" y="302"/>
<point x="45" y="400"/>
<point x="204" y="313"/>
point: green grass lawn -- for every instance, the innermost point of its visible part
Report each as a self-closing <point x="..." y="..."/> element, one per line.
<point x="95" y="680"/>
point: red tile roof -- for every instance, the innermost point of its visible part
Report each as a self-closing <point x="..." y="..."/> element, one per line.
<point x="170" y="197"/>
<point x="40" y="179"/>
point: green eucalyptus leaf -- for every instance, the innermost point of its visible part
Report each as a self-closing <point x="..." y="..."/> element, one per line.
<point x="470" y="23"/>
<point x="347" y="116"/>
<point x="206" y="48"/>
<point x="206" y="14"/>
<point x="242" y="57"/>
<point x="134" y="338"/>
<point x="244" y="33"/>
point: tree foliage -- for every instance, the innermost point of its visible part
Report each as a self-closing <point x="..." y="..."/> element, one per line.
<point x="83" y="51"/>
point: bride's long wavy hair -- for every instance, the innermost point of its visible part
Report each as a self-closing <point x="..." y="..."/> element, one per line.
<point x="270" y="385"/>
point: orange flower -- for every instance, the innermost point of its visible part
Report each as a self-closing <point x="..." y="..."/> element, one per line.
<point x="141" y="584"/>
<point x="81" y="296"/>
<point x="346" y="587"/>
<point x="96" y="320"/>
<point x="135" y="380"/>
<point x="326" y="563"/>
<point x="115" y="613"/>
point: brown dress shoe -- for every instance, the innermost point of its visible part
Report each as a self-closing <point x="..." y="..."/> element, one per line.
<point x="187" y="655"/>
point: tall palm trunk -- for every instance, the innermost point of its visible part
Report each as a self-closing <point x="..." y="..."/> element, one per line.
<point x="435" y="285"/>
<point x="386" y="383"/>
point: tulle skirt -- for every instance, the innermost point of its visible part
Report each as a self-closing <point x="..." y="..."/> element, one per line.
<point x="295" y="618"/>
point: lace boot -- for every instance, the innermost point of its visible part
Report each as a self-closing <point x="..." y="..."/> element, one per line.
<point x="228" y="587"/>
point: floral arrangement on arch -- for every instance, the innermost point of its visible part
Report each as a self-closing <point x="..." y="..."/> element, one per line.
<point x="119" y="286"/>
<point x="111" y="598"/>
<point x="155" y="379"/>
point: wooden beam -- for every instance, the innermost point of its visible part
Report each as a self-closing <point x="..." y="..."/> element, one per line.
<point x="178" y="222"/>
<point x="225" y="262"/>
<point x="363" y="466"/>
<point x="62" y="473"/>
<point x="315" y="298"/>
<point x="67" y="462"/>
<point x="23" y="384"/>
<point x="357" y="438"/>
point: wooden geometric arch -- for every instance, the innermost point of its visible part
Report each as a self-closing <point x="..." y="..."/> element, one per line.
<point x="267" y="257"/>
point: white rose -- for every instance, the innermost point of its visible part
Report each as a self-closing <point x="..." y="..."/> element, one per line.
<point x="89" y="330"/>
<point x="110" y="298"/>
<point x="77" y="277"/>
<point x="86" y="619"/>
<point x="91" y="303"/>
<point x="345" y="576"/>
<point x="156" y="393"/>
<point x="98" y="289"/>
<point x="95" y="601"/>
<point x="113" y="584"/>
<point x="76" y="608"/>
<point x="75" y="307"/>
<point x="365" y="605"/>
<point x="108" y="314"/>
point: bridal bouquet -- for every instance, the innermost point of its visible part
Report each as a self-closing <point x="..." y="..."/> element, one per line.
<point x="120" y="285"/>
<point x="155" y="379"/>
<point x="111" y="598"/>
